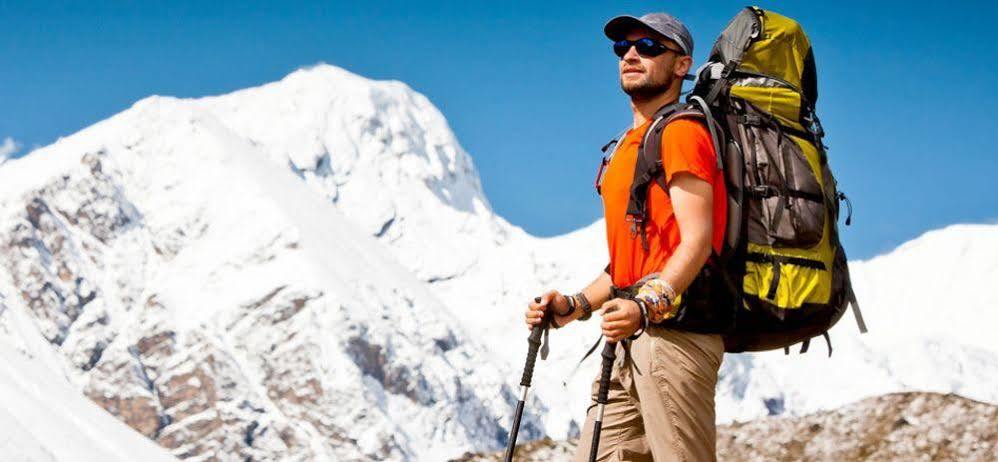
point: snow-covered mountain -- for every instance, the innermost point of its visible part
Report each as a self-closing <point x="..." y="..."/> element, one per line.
<point x="309" y="270"/>
<point x="207" y="296"/>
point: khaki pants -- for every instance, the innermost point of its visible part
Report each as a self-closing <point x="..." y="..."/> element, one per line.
<point x="661" y="402"/>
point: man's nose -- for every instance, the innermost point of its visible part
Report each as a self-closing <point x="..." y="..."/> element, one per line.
<point x="632" y="55"/>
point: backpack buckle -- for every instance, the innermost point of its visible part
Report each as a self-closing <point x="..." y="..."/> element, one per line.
<point x="750" y="119"/>
<point x="729" y="68"/>
<point x="763" y="191"/>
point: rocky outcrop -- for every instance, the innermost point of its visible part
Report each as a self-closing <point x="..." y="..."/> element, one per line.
<point x="895" y="427"/>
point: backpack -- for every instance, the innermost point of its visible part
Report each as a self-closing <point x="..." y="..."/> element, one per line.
<point x="781" y="277"/>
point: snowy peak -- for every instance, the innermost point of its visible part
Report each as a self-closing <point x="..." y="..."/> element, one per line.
<point x="219" y="304"/>
<point x="331" y="124"/>
<point x="953" y="252"/>
<point x="943" y="275"/>
<point x="381" y="152"/>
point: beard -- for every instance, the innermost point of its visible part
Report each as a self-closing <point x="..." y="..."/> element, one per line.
<point x="646" y="88"/>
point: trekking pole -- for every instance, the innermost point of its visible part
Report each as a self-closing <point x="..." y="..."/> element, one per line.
<point x="609" y="355"/>
<point x="534" y="342"/>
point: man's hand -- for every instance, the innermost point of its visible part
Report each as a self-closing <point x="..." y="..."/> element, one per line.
<point x="621" y="319"/>
<point x="551" y="299"/>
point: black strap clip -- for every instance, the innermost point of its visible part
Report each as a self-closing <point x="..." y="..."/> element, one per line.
<point x="729" y="68"/>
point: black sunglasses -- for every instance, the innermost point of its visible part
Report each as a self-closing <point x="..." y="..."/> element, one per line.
<point x="645" y="46"/>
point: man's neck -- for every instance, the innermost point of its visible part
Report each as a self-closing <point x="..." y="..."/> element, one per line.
<point x="644" y="109"/>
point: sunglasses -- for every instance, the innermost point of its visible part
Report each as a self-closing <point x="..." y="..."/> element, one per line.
<point x="645" y="46"/>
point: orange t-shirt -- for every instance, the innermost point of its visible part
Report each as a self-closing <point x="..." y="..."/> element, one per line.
<point x="686" y="147"/>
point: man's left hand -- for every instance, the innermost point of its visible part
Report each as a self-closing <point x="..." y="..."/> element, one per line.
<point x="621" y="319"/>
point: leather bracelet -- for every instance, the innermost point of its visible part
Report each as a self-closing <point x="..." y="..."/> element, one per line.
<point x="571" y="306"/>
<point x="587" y="309"/>
<point x="643" y="306"/>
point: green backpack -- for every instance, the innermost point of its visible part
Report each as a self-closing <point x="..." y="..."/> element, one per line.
<point x="782" y="276"/>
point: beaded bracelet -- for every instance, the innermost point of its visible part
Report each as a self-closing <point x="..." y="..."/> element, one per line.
<point x="658" y="294"/>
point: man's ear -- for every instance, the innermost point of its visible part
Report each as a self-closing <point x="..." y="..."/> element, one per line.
<point x="683" y="65"/>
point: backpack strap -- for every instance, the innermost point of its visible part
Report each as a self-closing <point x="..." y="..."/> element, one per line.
<point x="855" y="309"/>
<point x="648" y="166"/>
<point x="608" y="150"/>
<point x="807" y="342"/>
<point x="715" y="133"/>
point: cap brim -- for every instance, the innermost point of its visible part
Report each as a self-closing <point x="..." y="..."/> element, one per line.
<point x="618" y="27"/>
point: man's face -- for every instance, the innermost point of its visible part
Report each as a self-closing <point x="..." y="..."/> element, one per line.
<point x="644" y="77"/>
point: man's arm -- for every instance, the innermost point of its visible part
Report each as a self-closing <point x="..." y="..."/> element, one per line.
<point x="692" y="203"/>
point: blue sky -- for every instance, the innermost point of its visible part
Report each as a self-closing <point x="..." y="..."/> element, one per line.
<point x="907" y="92"/>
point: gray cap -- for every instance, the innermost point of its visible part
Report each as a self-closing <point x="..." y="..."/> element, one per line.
<point x="663" y="23"/>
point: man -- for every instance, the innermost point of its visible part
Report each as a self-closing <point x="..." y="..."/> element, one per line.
<point x="661" y="400"/>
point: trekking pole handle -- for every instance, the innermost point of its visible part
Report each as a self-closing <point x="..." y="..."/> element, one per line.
<point x="534" y="342"/>
<point x="609" y="354"/>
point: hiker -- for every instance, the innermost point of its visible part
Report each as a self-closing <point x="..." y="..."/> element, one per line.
<point x="661" y="398"/>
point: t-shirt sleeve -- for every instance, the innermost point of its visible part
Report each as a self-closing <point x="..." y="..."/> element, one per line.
<point x="687" y="147"/>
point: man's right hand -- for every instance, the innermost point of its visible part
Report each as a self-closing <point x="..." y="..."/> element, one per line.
<point x="553" y="300"/>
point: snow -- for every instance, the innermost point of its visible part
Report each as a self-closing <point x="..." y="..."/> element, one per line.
<point x="266" y="293"/>
<point x="44" y="418"/>
<point x="915" y="343"/>
<point x="311" y="266"/>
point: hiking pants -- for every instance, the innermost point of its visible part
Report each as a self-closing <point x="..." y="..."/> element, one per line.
<point x="661" y="402"/>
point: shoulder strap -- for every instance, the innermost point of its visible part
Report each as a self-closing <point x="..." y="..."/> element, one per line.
<point x="648" y="165"/>
<point x="608" y="150"/>
<point x="649" y="154"/>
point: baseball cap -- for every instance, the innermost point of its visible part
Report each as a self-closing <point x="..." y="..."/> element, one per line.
<point x="663" y="23"/>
